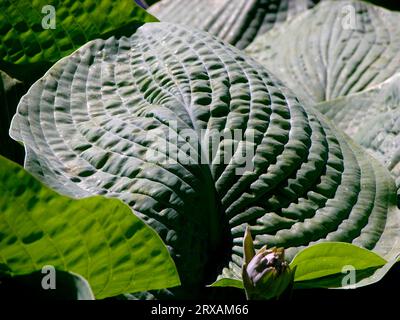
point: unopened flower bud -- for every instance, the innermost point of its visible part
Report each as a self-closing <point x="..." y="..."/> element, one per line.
<point x="265" y="274"/>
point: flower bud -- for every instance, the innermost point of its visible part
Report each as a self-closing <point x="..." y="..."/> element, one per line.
<point x="265" y="274"/>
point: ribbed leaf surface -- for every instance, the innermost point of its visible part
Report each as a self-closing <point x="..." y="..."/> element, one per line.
<point x="372" y="118"/>
<point x="332" y="50"/>
<point x="87" y="127"/>
<point x="237" y="22"/>
<point x="35" y="34"/>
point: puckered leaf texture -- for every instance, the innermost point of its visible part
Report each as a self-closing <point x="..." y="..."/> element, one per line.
<point x="89" y="123"/>
<point x="97" y="238"/>
<point x="35" y="34"/>
<point x="371" y="118"/>
<point x="335" y="49"/>
<point x="237" y="22"/>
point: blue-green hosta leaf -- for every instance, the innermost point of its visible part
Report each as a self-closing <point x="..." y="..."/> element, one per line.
<point x="100" y="239"/>
<point x="11" y="90"/>
<point x="28" y="49"/>
<point x="332" y="50"/>
<point x="90" y="122"/>
<point x="237" y="22"/>
<point x="30" y="43"/>
<point x="68" y="286"/>
<point x="372" y="118"/>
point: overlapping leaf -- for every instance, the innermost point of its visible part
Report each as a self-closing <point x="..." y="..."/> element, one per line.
<point x="32" y="38"/>
<point x="332" y="50"/>
<point x="237" y="22"/>
<point x="29" y="45"/>
<point x="100" y="239"/>
<point x="372" y="118"/>
<point x="90" y="122"/>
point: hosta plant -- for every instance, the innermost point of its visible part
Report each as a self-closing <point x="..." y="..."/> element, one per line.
<point x="202" y="141"/>
<point x="237" y="22"/>
<point x="91" y="122"/>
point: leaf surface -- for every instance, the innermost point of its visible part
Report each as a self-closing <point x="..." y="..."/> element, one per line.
<point x="335" y="49"/>
<point x="372" y="118"/>
<point x="117" y="101"/>
<point x="30" y="43"/>
<point x="236" y="22"/>
<point x="100" y="239"/>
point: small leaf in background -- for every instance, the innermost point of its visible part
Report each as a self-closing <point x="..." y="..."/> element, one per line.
<point x="236" y="22"/>
<point x="335" y="49"/>
<point x="69" y="286"/>
<point x="100" y="239"/>
<point x="92" y="132"/>
<point x="322" y="265"/>
<point x="372" y="118"/>
<point x="29" y="45"/>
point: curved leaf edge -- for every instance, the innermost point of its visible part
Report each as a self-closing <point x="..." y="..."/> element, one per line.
<point x="6" y="271"/>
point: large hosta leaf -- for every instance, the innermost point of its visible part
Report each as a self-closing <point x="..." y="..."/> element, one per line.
<point x="100" y="239"/>
<point x="237" y="22"/>
<point x="90" y="122"/>
<point x="372" y="118"/>
<point x="334" y="49"/>
<point x="29" y="44"/>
